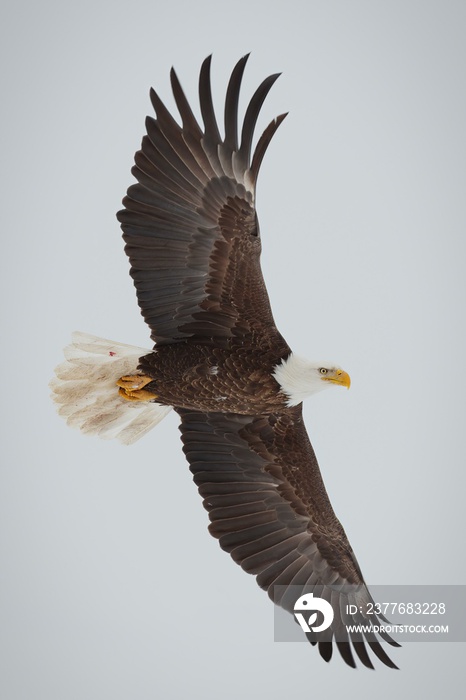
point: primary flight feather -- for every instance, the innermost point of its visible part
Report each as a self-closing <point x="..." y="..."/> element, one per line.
<point x="192" y="237"/>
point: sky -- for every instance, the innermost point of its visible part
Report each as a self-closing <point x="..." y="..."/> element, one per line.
<point x="111" y="586"/>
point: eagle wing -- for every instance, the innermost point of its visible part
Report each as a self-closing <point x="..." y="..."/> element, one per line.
<point x="268" y="506"/>
<point x="190" y="223"/>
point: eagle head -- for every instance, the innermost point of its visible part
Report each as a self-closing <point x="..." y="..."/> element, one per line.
<point x="299" y="378"/>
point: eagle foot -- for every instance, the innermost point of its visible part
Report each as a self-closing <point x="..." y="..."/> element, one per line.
<point x="132" y="388"/>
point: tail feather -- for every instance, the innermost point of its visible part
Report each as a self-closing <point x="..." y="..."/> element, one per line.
<point x="87" y="396"/>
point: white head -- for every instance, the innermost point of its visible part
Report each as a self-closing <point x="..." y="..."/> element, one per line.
<point x="300" y="378"/>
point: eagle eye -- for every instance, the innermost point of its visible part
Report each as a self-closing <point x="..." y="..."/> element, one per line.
<point x="323" y="370"/>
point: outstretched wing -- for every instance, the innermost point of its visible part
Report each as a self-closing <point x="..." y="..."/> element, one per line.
<point x="269" y="509"/>
<point x="190" y="224"/>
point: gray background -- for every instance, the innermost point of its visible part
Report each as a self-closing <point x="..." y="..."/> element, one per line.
<point x="110" y="585"/>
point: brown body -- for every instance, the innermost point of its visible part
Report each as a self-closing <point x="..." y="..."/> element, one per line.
<point x="235" y="378"/>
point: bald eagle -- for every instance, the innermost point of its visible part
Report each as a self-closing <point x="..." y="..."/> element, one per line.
<point x="192" y="238"/>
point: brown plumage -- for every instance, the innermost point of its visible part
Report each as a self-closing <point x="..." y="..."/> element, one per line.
<point x="192" y="237"/>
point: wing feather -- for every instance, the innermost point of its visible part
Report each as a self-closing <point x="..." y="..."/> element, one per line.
<point x="192" y="214"/>
<point x="250" y="120"/>
<point x="189" y="120"/>
<point x="230" y="143"/>
<point x="269" y="509"/>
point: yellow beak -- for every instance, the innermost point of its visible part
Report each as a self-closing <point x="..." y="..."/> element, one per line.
<point x="338" y="376"/>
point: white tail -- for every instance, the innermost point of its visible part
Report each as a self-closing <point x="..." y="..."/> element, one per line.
<point x="85" y="389"/>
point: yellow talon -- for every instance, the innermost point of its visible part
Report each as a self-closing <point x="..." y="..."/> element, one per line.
<point x="132" y="388"/>
<point x="135" y="381"/>
<point x="139" y="395"/>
